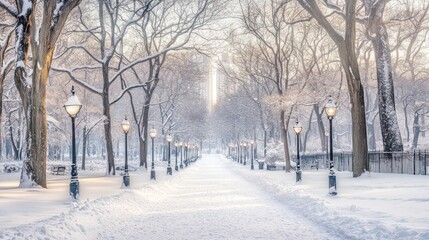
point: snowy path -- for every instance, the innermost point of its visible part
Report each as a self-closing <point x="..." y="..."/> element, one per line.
<point x="204" y="201"/>
<point x="211" y="202"/>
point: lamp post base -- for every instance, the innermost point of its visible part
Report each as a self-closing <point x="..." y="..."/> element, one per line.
<point x="126" y="180"/>
<point x="152" y="174"/>
<point x="298" y="176"/>
<point x="74" y="189"/>
<point x="252" y="167"/>
<point x="176" y="168"/>
<point x="244" y="163"/>
<point x="169" y="171"/>
<point x="181" y="166"/>
<point x="332" y="185"/>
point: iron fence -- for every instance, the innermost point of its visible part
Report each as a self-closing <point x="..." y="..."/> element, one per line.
<point x="414" y="162"/>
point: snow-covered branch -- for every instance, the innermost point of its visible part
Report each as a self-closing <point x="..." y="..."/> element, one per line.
<point x="79" y="47"/>
<point x="78" y="81"/>
<point x="9" y="8"/>
<point x="125" y="91"/>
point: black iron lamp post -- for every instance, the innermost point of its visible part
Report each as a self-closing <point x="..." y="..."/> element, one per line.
<point x="331" y="110"/>
<point x="169" y="138"/>
<point x="176" y="144"/>
<point x="327" y="145"/>
<point x="181" y="154"/>
<point x="241" y="152"/>
<point x="126" y="128"/>
<point x="245" y="153"/>
<point x="186" y="154"/>
<point x="252" y="167"/>
<point x="298" y="128"/>
<point x="238" y="152"/>
<point x="73" y="107"/>
<point x="152" y="134"/>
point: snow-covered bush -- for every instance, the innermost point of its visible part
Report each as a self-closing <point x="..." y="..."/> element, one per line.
<point x="275" y="152"/>
<point x="9" y="168"/>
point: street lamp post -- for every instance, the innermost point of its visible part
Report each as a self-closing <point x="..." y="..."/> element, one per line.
<point x="176" y="144"/>
<point x="237" y="152"/>
<point x="169" y="138"/>
<point x="181" y="154"/>
<point x="251" y="155"/>
<point x="73" y="107"/>
<point x="327" y="145"/>
<point x="245" y="153"/>
<point x="241" y="152"/>
<point x="185" y="152"/>
<point x="331" y="110"/>
<point x="298" y="128"/>
<point x="126" y="128"/>
<point x="152" y="134"/>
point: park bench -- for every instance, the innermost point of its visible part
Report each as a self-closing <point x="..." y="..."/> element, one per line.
<point x="58" y="169"/>
<point x="275" y="166"/>
<point x="11" y="168"/>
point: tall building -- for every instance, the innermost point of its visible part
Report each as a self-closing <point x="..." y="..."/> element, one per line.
<point x="212" y="85"/>
<point x="219" y="85"/>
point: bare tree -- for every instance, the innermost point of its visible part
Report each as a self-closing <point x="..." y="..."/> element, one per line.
<point x="376" y="32"/>
<point x="269" y="23"/>
<point x="161" y="35"/>
<point x="42" y="36"/>
<point x="346" y="50"/>
<point x="114" y="20"/>
<point x="5" y="67"/>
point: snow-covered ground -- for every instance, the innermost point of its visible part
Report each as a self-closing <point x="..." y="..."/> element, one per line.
<point x="216" y="198"/>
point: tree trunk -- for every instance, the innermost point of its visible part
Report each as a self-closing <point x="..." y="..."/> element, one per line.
<point x="37" y="125"/>
<point x="265" y="142"/>
<point x="320" y="126"/>
<point x="107" y="131"/>
<point x="145" y="123"/>
<point x="392" y="140"/>
<point x="142" y="152"/>
<point x="283" y="124"/>
<point x="360" y="146"/>
<point x="84" y="135"/>
<point x="407" y="130"/>
<point x="346" y="49"/>
<point x="307" y="133"/>
<point x="1" y="104"/>
<point x="371" y="137"/>
<point x="416" y="129"/>
<point x="14" y="146"/>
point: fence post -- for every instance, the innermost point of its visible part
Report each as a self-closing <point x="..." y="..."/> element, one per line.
<point x="368" y="162"/>
<point x="425" y="163"/>
<point x="379" y="162"/>
<point x="414" y="162"/>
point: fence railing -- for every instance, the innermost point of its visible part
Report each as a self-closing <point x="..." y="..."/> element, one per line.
<point x="414" y="162"/>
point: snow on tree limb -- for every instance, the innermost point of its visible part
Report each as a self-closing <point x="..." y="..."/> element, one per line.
<point x="313" y="9"/>
<point x="125" y="91"/>
<point x="9" y="8"/>
<point x="78" y="81"/>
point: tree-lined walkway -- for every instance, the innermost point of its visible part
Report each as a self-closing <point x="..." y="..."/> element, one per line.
<point x="209" y="201"/>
